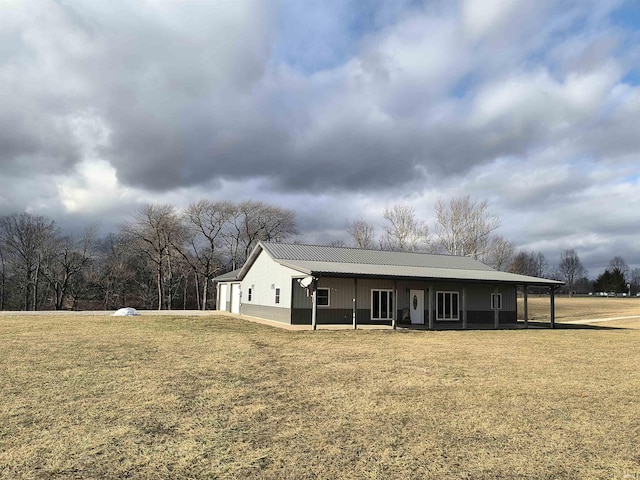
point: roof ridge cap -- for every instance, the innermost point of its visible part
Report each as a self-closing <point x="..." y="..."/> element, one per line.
<point x="346" y="247"/>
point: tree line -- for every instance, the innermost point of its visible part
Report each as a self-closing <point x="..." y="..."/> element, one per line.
<point x="466" y="227"/>
<point x="163" y="258"/>
<point x="463" y="227"/>
<point x="616" y="279"/>
<point x="160" y="259"/>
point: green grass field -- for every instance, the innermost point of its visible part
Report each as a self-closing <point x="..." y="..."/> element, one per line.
<point x="216" y="397"/>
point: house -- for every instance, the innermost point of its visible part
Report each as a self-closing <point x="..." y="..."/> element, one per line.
<point x="311" y="285"/>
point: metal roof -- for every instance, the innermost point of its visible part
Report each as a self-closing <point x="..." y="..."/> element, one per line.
<point x="229" y="276"/>
<point x="316" y="253"/>
<point x="341" y="261"/>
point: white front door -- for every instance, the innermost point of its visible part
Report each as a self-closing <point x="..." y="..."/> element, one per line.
<point x="416" y="301"/>
<point x="235" y="298"/>
<point x="222" y="305"/>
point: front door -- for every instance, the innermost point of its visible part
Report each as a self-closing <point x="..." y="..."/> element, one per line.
<point x="416" y="300"/>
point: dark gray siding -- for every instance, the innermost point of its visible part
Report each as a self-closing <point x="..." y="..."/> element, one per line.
<point x="340" y="293"/>
<point x="340" y="309"/>
<point x="300" y="299"/>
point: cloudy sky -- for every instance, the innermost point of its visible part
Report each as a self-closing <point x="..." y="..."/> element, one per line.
<point x="334" y="108"/>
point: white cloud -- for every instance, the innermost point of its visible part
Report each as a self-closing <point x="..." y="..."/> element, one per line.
<point x="538" y="97"/>
<point x="93" y="188"/>
<point x="481" y="17"/>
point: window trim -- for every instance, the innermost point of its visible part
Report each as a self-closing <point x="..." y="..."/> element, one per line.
<point x="390" y="305"/>
<point x="493" y="296"/>
<point x="450" y="294"/>
<point x="323" y="305"/>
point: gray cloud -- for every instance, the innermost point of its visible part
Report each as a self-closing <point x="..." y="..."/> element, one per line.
<point x="406" y="103"/>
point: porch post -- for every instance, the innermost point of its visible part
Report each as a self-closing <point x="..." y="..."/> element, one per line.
<point x="394" y="304"/>
<point x="553" y="307"/>
<point x="430" y="307"/>
<point x="464" y="306"/>
<point x="496" y="312"/>
<point x="525" y="292"/>
<point x="355" y="303"/>
<point x="314" y="305"/>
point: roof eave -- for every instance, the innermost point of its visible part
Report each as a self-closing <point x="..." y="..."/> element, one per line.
<point x="533" y="282"/>
<point x="293" y="266"/>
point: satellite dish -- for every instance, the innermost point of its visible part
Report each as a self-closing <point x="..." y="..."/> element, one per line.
<point x="306" y="281"/>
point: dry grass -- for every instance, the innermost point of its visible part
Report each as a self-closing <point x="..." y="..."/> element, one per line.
<point x="583" y="308"/>
<point x="215" y="397"/>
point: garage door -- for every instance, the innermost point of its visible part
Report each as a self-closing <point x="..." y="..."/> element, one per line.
<point x="222" y="304"/>
<point x="235" y="298"/>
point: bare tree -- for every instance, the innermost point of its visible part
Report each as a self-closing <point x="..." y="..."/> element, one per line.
<point x="529" y="263"/>
<point x="619" y="263"/>
<point x="205" y="222"/>
<point x="635" y="280"/>
<point x="570" y="269"/>
<point x="499" y="253"/>
<point x="362" y="233"/>
<point x="403" y="232"/>
<point x="540" y="266"/>
<point x="464" y="227"/>
<point x="68" y="258"/>
<point x="250" y="222"/>
<point x="26" y="240"/>
<point x="3" y="278"/>
<point x="112" y="274"/>
<point x="154" y="231"/>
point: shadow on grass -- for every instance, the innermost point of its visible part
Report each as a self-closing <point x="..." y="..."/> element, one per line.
<point x="574" y="326"/>
<point x="512" y="326"/>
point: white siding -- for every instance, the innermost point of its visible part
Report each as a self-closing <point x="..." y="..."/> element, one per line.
<point x="263" y="278"/>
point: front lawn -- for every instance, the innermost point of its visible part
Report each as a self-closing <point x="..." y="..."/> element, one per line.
<point x="215" y="397"/>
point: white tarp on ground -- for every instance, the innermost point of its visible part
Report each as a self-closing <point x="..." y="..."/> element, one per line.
<point x="126" y="312"/>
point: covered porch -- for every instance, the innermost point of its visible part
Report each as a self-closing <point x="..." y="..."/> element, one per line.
<point x="412" y="304"/>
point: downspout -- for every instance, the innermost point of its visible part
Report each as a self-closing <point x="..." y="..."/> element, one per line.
<point x="393" y="305"/>
<point x="431" y="307"/>
<point x="525" y="296"/>
<point x="496" y="312"/>
<point x="314" y="305"/>
<point x="355" y="303"/>
<point x="294" y="283"/>
<point x="553" y="306"/>
<point x="464" y="307"/>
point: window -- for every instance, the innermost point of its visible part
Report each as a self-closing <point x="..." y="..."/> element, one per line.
<point x="249" y="295"/>
<point x="381" y="304"/>
<point x="277" y="295"/>
<point x="447" y="306"/>
<point x="322" y="297"/>
<point x="493" y="301"/>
